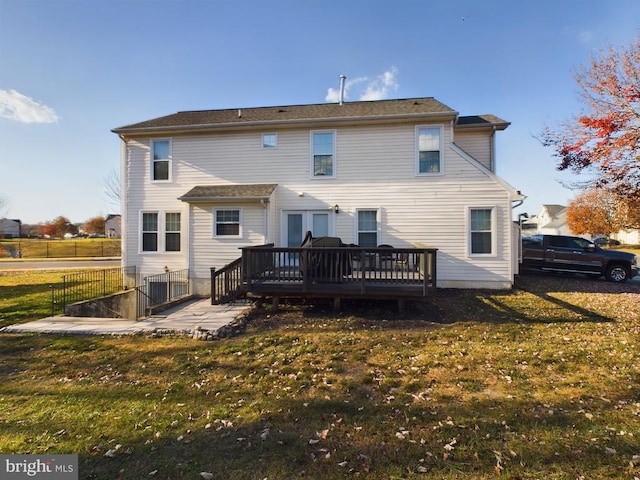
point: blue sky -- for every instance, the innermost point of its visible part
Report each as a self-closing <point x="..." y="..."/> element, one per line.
<point x="70" y="71"/>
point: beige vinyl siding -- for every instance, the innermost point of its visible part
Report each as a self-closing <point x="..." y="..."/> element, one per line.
<point x="476" y="144"/>
<point x="375" y="169"/>
<point x="208" y="251"/>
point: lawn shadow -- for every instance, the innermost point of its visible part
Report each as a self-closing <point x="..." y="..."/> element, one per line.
<point x="535" y="298"/>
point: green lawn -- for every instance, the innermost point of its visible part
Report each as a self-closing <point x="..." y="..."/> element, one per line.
<point x="542" y="382"/>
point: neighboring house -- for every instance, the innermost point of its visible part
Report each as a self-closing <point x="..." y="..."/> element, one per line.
<point x="198" y="185"/>
<point x="627" y="237"/>
<point x="10" y="228"/>
<point x="552" y="220"/>
<point x="113" y="226"/>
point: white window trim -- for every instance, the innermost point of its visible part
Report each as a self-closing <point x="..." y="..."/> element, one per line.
<point x="161" y="232"/>
<point x="378" y="211"/>
<point x="152" y="161"/>
<point x="240" y="222"/>
<point x="417" y="151"/>
<point x="275" y="147"/>
<point x="333" y="155"/>
<point x="494" y="231"/>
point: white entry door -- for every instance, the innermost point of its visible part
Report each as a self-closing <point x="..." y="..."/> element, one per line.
<point x="297" y="223"/>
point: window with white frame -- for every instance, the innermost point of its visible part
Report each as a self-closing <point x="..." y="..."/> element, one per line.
<point x="428" y="150"/>
<point x="269" y="140"/>
<point x="160" y="160"/>
<point x="481" y="231"/>
<point x="367" y="233"/>
<point x="323" y="154"/>
<point x="172" y="232"/>
<point x="150" y="232"/>
<point x="161" y="232"/>
<point x="227" y="223"/>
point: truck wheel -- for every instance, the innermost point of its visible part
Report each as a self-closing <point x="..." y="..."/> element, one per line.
<point x="618" y="273"/>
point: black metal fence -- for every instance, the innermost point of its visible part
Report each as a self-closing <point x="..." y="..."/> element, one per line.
<point x="35" y="248"/>
<point x="162" y="288"/>
<point x="87" y="285"/>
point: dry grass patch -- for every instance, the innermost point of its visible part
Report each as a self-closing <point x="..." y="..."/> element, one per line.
<point x="541" y="382"/>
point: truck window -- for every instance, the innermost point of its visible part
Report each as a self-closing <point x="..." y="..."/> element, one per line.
<point x="558" y="242"/>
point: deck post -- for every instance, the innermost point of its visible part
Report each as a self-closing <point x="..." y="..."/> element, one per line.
<point x="304" y="259"/>
<point x="275" y="302"/>
<point x="336" y="303"/>
<point x="401" y="305"/>
<point x="426" y="261"/>
<point x="213" y="285"/>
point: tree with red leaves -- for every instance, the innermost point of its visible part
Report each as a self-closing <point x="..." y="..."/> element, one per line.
<point x="94" y="225"/>
<point x="605" y="139"/>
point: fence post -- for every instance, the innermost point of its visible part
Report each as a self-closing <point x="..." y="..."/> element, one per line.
<point x="213" y="285"/>
<point x="64" y="293"/>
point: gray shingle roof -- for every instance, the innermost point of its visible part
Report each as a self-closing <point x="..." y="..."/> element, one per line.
<point x="217" y="193"/>
<point x="486" y="120"/>
<point x="237" y="117"/>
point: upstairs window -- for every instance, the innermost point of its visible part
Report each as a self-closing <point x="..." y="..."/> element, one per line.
<point x="429" y="150"/>
<point x="227" y="223"/>
<point x="269" y="140"/>
<point x="367" y="228"/>
<point x="160" y="160"/>
<point x="481" y="225"/>
<point x="323" y="158"/>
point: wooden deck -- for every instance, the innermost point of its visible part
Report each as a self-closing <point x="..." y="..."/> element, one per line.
<point x="345" y="272"/>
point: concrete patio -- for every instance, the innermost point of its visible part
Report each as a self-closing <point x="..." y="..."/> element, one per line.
<point x="197" y="318"/>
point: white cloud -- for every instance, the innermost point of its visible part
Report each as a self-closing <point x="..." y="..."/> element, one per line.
<point x="19" y="107"/>
<point x="585" y="36"/>
<point x="367" y="88"/>
<point x="380" y="87"/>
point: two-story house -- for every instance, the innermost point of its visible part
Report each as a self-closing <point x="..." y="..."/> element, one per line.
<point x="198" y="185"/>
<point x="10" y="228"/>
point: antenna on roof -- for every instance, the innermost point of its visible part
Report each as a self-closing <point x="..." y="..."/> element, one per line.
<point x="342" y="79"/>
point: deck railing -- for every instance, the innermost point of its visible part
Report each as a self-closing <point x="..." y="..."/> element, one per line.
<point x="226" y="282"/>
<point x="340" y="271"/>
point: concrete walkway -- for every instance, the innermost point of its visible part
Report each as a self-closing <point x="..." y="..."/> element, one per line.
<point x="197" y="318"/>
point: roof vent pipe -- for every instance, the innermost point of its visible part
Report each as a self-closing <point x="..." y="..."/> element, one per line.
<point x="342" y="79"/>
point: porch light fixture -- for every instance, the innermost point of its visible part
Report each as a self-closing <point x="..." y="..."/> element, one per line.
<point x="336" y="209"/>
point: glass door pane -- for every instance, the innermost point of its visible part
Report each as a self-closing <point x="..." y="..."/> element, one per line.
<point x="294" y="234"/>
<point x="294" y="229"/>
<point x="320" y="225"/>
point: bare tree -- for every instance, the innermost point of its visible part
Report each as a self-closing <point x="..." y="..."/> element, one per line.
<point x="4" y="205"/>
<point x="112" y="188"/>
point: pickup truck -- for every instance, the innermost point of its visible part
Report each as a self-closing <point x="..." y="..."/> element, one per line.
<point x="560" y="253"/>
